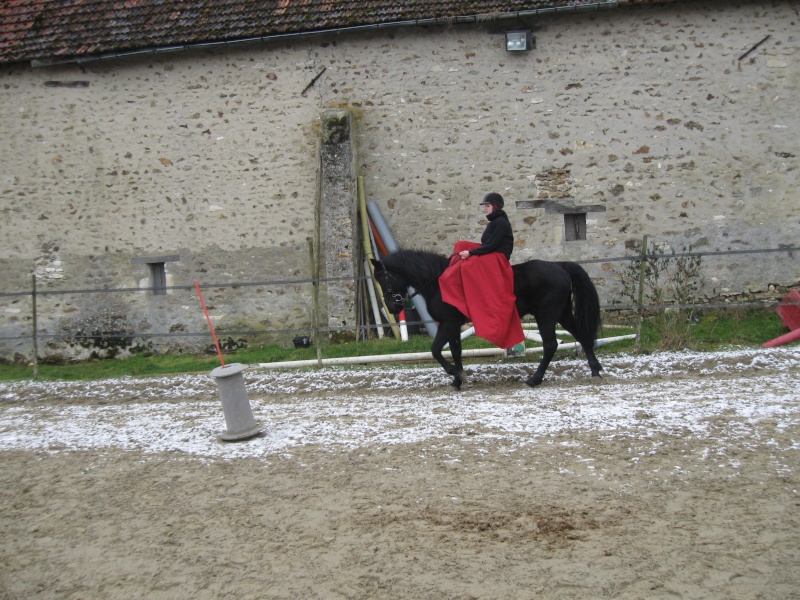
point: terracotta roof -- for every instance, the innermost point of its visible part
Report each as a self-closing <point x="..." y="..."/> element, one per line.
<point x="74" y="29"/>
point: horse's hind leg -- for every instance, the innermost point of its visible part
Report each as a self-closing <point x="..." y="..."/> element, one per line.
<point x="568" y="322"/>
<point x="594" y="364"/>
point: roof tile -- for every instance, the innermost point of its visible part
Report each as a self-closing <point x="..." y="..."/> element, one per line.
<point x="70" y="29"/>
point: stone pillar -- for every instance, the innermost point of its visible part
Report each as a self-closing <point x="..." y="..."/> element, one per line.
<point x="338" y="216"/>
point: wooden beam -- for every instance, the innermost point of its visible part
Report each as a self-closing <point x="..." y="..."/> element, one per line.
<point x="552" y="207"/>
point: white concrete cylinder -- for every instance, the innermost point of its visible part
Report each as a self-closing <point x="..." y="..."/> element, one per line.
<point x="238" y="415"/>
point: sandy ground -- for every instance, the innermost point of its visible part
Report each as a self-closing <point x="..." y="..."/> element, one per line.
<point x="675" y="476"/>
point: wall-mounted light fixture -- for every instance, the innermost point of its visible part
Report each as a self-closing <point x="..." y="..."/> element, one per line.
<point x="520" y="40"/>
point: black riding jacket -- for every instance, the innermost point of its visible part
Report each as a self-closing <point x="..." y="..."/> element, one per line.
<point x="498" y="236"/>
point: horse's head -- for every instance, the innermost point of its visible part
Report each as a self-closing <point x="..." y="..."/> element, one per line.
<point x="393" y="285"/>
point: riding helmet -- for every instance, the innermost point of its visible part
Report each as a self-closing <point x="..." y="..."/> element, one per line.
<point x="494" y="199"/>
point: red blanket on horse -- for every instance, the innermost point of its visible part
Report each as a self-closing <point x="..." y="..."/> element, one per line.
<point x="482" y="287"/>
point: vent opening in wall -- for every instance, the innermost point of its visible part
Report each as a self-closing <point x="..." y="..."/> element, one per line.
<point x="575" y="227"/>
<point x="554" y="193"/>
<point x="158" y="278"/>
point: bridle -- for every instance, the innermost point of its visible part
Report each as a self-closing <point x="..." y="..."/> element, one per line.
<point x="399" y="299"/>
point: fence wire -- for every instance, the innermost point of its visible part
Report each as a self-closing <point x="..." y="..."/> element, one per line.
<point x="633" y="307"/>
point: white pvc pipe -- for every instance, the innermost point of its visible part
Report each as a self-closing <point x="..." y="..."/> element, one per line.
<point x="609" y="340"/>
<point x="597" y="344"/>
<point x="464" y="335"/>
<point x="530" y="334"/>
<point x="374" y="244"/>
<point x="403" y="328"/>
<point x="383" y="229"/>
<point x="359" y="360"/>
<point x="416" y="356"/>
<point x="373" y="300"/>
<point x="534" y="335"/>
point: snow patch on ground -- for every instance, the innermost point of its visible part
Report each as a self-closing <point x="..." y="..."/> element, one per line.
<point x="342" y="409"/>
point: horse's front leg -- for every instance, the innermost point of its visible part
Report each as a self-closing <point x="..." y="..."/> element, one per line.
<point x="459" y="376"/>
<point x="444" y="335"/>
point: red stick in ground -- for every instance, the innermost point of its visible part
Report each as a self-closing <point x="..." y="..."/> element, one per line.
<point x="210" y="326"/>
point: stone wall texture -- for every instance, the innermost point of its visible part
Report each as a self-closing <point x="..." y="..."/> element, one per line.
<point x="212" y="156"/>
<point x="339" y="222"/>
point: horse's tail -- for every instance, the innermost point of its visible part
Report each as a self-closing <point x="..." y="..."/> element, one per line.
<point x="586" y="302"/>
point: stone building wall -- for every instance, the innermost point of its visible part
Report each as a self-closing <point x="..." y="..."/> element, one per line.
<point x="212" y="156"/>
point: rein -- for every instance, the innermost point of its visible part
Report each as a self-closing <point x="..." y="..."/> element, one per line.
<point x="416" y="291"/>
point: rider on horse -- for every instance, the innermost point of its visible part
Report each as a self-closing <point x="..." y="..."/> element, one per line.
<point x="498" y="236"/>
<point x="483" y="289"/>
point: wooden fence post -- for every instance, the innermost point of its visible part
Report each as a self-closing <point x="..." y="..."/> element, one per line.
<point x="640" y="308"/>
<point x="35" y="327"/>
<point x="315" y="299"/>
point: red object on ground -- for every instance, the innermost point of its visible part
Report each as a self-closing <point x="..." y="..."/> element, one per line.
<point x="789" y="310"/>
<point x="784" y="339"/>
<point x="482" y="287"/>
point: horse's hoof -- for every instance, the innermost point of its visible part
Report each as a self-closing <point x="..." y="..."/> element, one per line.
<point x="461" y="376"/>
<point x="456" y="383"/>
<point x="532" y="381"/>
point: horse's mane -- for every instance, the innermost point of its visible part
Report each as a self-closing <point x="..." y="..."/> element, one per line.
<point x="416" y="263"/>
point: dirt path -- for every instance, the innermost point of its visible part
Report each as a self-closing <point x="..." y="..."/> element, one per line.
<point x="676" y="476"/>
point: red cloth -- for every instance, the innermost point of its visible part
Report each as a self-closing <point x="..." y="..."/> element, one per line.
<point x="482" y="287"/>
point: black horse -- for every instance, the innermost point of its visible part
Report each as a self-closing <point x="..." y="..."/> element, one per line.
<point x="553" y="292"/>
